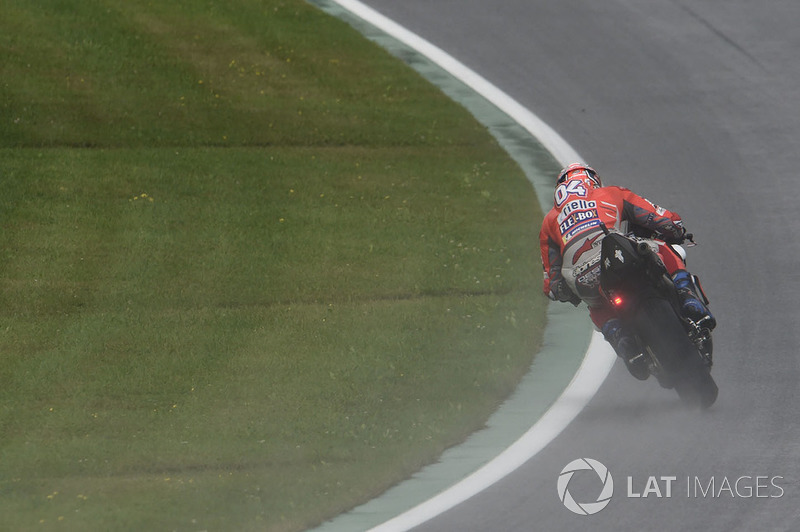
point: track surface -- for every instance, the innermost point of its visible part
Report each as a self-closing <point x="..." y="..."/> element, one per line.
<point x="696" y="105"/>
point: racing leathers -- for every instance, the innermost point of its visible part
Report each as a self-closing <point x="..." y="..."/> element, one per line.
<point x="572" y="232"/>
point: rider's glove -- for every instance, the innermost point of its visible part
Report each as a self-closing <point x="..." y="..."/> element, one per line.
<point x="676" y="235"/>
<point x="560" y="291"/>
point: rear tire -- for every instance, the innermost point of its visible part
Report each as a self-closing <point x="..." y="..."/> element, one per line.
<point x="661" y="329"/>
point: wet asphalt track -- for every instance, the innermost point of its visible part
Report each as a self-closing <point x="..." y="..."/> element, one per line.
<point x="695" y="105"/>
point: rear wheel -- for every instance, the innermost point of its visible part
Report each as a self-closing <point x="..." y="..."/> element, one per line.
<point x="661" y="329"/>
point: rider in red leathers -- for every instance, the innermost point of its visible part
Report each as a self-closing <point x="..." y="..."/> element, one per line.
<point x="570" y="245"/>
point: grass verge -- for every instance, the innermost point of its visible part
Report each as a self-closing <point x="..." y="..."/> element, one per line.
<point x="253" y="272"/>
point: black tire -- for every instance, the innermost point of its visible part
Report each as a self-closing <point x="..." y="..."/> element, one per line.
<point x="661" y="329"/>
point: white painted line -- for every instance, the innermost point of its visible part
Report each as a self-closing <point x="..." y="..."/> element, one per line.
<point x="563" y="152"/>
<point x="593" y="371"/>
<point x="599" y="357"/>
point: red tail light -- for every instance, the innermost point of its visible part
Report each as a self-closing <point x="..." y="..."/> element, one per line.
<point x="617" y="300"/>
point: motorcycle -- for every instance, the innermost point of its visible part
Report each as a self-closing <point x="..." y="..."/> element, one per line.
<point x="677" y="349"/>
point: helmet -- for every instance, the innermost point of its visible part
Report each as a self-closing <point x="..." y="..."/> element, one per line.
<point x="579" y="171"/>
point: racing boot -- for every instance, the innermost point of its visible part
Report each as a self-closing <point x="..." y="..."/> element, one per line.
<point x="625" y="347"/>
<point x="691" y="306"/>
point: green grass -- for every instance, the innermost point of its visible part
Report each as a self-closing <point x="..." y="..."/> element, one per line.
<point x="253" y="270"/>
<point x="113" y="73"/>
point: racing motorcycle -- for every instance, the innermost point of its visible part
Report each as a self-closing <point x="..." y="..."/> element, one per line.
<point x="677" y="349"/>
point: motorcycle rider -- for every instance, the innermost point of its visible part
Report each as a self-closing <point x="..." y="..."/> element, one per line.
<point x="570" y="245"/>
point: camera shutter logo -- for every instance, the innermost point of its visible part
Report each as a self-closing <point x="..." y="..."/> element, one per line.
<point x="585" y="508"/>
